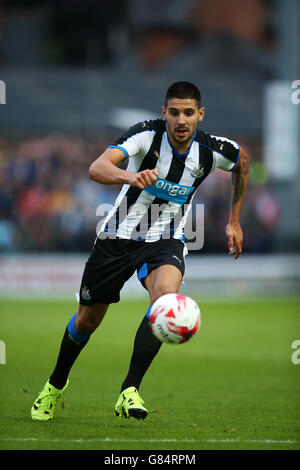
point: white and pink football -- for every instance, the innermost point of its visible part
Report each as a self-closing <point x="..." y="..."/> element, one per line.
<point x="174" y="318"/>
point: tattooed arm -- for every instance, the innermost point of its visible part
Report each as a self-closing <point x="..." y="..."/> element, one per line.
<point x="239" y="183"/>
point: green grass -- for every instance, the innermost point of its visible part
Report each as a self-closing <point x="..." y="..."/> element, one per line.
<point x="233" y="386"/>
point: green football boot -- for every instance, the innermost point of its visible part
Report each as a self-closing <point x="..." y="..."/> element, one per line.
<point x="44" y="406"/>
<point x="130" y="404"/>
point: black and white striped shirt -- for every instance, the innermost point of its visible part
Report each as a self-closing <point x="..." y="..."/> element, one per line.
<point x="160" y="210"/>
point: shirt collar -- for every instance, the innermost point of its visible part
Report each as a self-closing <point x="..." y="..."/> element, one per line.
<point x="176" y="151"/>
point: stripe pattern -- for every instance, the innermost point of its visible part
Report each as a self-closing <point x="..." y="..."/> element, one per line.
<point x="161" y="210"/>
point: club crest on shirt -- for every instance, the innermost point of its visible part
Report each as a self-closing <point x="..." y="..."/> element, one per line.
<point x="198" y="171"/>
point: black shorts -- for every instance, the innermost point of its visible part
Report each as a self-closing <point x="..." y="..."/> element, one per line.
<point x="113" y="261"/>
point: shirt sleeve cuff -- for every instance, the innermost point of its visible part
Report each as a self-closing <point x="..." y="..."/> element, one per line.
<point x="235" y="164"/>
<point x="121" y="148"/>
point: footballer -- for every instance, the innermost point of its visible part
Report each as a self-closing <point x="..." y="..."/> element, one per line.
<point x="168" y="159"/>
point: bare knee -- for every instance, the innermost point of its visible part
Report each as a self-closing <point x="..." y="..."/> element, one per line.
<point x="162" y="290"/>
<point x="88" y="318"/>
<point x="165" y="279"/>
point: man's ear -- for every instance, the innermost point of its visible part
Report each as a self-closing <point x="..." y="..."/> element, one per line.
<point x="163" y="112"/>
<point x="201" y="113"/>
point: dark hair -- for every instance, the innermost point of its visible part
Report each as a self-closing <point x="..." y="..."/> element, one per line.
<point x="183" y="90"/>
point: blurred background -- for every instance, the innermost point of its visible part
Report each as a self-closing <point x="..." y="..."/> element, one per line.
<point x="75" y="74"/>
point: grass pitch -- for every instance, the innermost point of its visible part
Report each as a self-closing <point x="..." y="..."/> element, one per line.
<point x="233" y="386"/>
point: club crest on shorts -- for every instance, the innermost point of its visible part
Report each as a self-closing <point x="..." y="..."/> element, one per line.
<point x="198" y="171"/>
<point x="85" y="293"/>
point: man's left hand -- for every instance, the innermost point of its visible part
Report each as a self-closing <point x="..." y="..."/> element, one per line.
<point x="235" y="239"/>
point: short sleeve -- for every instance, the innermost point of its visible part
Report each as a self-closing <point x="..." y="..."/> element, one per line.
<point x="226" y="153"/>
<point x="136" y="141"/>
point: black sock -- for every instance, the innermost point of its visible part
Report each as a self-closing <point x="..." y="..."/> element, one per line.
<point x="69" y="351"/>
<point x="146" y="346"/>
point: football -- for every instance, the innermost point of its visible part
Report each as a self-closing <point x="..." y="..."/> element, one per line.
<point x="174" y="318"/>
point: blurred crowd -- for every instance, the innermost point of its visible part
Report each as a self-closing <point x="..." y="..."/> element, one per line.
<point x="46" y="199"/>
<point x="47" y="202"/>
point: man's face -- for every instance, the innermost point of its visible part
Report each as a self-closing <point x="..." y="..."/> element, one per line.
<point x="182" y="116"/>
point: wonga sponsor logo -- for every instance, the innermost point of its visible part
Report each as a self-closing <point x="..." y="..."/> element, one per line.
<point x="164" y="189"/>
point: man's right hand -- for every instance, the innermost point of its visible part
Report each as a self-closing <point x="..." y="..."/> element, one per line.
<point x="144" y="178"/>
